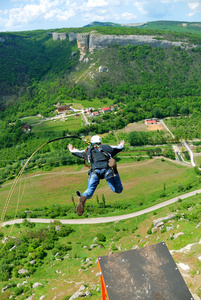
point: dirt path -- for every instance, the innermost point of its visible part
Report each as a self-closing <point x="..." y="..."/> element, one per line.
<point x="108" y="219"/>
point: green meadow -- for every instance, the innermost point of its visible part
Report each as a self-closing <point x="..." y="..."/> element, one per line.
<point x="70" y="123"/>
<point x="145" y="183"/>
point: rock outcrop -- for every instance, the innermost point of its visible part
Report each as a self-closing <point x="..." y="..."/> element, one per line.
<point x="97" y="42"/>
<point x="89" y="42"/>
<point x="58" y="36"/>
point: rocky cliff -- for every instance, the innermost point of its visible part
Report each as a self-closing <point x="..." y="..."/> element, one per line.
<point x="88" y="42"/>
<point x="91" y="41"/>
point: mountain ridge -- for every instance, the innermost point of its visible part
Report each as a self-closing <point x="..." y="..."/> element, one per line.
<point x="181" y="26"/>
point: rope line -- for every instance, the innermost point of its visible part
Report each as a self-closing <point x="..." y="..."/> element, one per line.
<point x="18" y="177"/>
<point x="14" y="186"/>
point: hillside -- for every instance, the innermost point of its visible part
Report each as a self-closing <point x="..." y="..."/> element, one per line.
<point x="61" y="265"/>
<point x="42" y="71"/>
<point x="173" y="26"/>
<point x="35" y="66"/>
<point x="43" y="68"/>
<point x="188" y="27"/>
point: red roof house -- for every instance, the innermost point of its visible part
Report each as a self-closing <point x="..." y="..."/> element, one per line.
<point x="95" y="113"/>
<point x="106" y="109"/>
<point x="150" y="121"/>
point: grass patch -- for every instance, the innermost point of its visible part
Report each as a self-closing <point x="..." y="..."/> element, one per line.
<point x="72" y="123"/>
<point x="95" y="103"/>
<point x="142" y="184"/>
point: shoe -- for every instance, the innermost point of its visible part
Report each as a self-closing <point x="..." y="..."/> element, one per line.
<point x="80" y="206"/>
<point x="78" y="194"/>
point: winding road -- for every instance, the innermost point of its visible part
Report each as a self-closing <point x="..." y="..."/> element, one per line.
<point x="107" y="219"/>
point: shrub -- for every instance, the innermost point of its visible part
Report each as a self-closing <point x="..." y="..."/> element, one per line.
<point x="26" y="223"/>
<point x="101" y="237"/>
<point x="114" y="247"/>
<point x="149" y="231"/>
<point x="65" y="230"/>
<point x="163" y="229"/>
<point x="162" y="195"/>
<point x="17" y="225"/>
<point x="134" y="229"/>
<point x="180" y="188"/>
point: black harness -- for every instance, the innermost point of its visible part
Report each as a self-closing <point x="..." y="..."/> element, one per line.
<point x="91" y="160"/>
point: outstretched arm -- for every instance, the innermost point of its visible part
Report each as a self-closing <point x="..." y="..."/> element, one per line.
<point x="74" y="151"/>
<point x="122" y="143"/>
<point x="118" y="148"/>
<point x="70" y="147"/>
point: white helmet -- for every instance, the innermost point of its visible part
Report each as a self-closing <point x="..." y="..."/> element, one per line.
<point x="95" y="139"/>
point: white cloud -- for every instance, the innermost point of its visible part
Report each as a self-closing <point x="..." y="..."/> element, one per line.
<point x="128" y="16"/>
<point x="96" y="3"/>
<point x="4" y="12"/>
<point x="156" y="9"/>
<point x="141" y="7"/>
<point x="65" y="15"/>
<point x="195" y="8"/>
<point x="90" y="17"/>
<point x="34" y="13"/>
<point x="25" y="14"/>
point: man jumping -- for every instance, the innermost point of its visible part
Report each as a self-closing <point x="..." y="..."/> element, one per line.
<point x="103" y="166"/>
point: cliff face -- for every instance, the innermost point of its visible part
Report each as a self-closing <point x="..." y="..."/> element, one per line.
<point x="83" y="43"/>
<point x="97" y="42"/>
<point x="58" y="36"/>
<point x="90" y="42"/>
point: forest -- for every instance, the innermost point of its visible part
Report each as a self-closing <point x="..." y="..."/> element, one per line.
<point x="145" y="82"/>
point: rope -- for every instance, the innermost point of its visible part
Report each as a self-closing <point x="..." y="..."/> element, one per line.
<point x="18" y="177"/>
<point x="14" y="186"/>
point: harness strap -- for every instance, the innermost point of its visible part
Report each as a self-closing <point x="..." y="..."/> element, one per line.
<point x="84" y="161"/>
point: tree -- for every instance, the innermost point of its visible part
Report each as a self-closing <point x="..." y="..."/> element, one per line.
<point x="97" y="200"/>
<point x="103" y="200"/>
<point x="184" y="110"/>
<point x="157" y="113"/>
<point x="72" y="198"/>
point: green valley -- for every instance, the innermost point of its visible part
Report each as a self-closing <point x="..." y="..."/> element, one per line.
<point x="54" y="84"/>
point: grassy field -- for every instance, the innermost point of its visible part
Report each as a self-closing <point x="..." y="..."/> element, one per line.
<point x="144" y="183"/>
<point x="71" y="123"/>
<point x="62" y="278"/>
<point x="32" y="120"/>
<point x="197" y="160"/>
<point x="97" y="103"/>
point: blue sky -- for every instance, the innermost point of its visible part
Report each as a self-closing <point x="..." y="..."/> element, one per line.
<point x="17" y="15"/>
